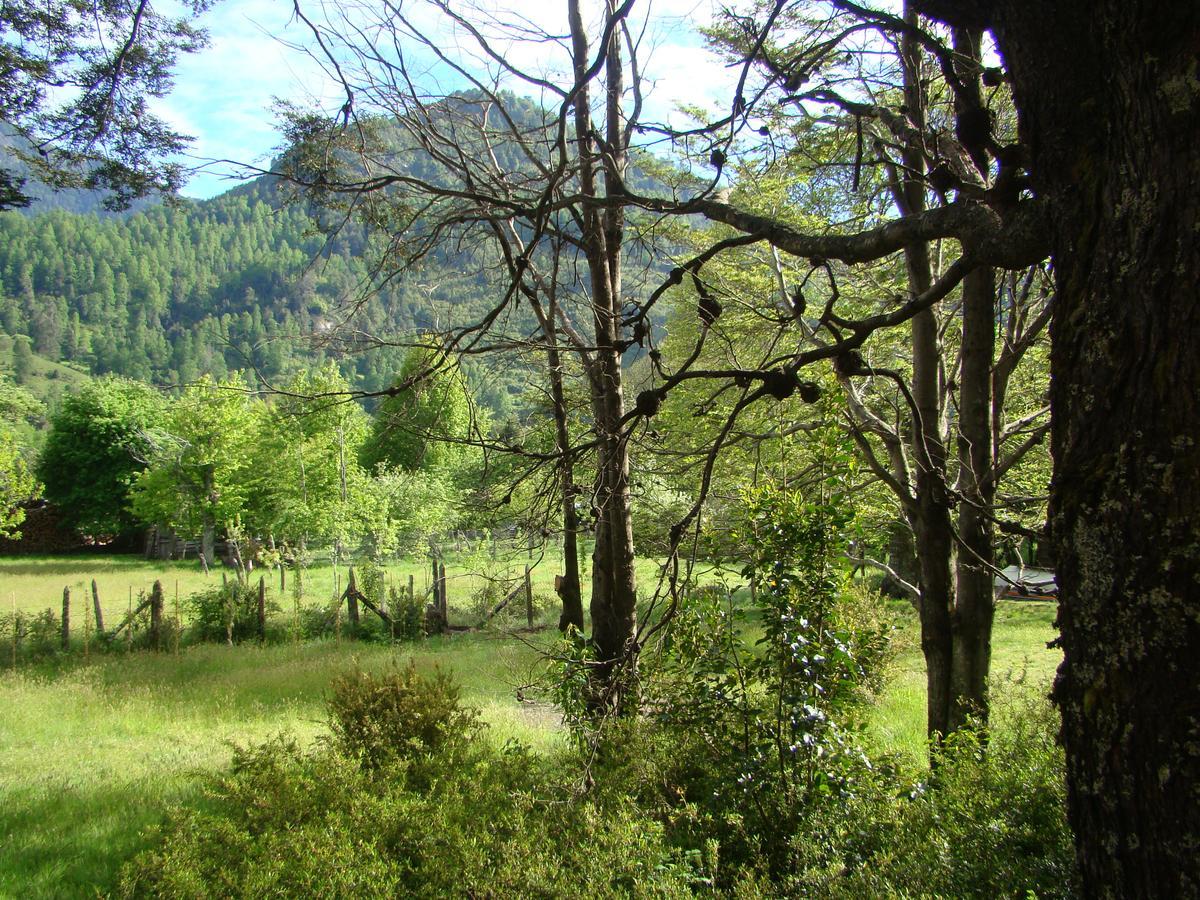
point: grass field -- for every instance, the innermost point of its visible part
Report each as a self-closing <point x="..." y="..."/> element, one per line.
<point x="93" y="755"/>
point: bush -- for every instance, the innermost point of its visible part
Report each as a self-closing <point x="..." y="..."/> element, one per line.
<point x="407" y="613"/>
<point x="758" y="710"/>
<point x="379" y="718"/>
<point x="499" y="585"/>
<point x="501" y="823"/>
<point x="991" y="824"/>
<point x="230" y="610"/>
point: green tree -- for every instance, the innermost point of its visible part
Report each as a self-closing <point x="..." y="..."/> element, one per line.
<point x="17" y="483"/>
<point x="22" y="355"/>
<point x="308" y="485"/>
<point x="421" y="425"/>
<point x="98" y="443"/>
<point x="198" y="478"/>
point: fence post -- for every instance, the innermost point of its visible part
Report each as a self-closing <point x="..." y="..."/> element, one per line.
<point x="87" y="629"/>
<point x="352" y="604"/>
<point x="262" y="608"/>
<point x="157" y="602"/>
<point x="442" y="593"/>
<point x="96" y="607"/>
<point x="66" y="619"/>
<point x="528" y="598"/>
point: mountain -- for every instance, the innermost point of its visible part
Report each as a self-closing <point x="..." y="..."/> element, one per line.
<point x="243" y="281"/>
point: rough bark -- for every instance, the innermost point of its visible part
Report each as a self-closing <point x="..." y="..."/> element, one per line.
<point x="1109" y="96"/>
<point x="979" y="424"/>
<point x="569" y="588"/>
<point x="929" y="512"/>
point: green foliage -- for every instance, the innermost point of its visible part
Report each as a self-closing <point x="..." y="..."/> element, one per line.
<point x="99" y="441"/>
<point x="406" y="509"/>
<point x="17" y="484"/>
<point x="228" y="612"/>
<point x="377" y="719"/>
<point x="17" y="481"/>
<point x="407" y="613"/>
<point x="992" y="823"/>
<point x="198" y="476"/>
<point x="768" y="726"/>
<point x="417" y="427"/>
<point x="305" y="483"/>
<point x="467" y="820"/>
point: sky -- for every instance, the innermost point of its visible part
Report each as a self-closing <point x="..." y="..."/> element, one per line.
<point x="224" y="94"/>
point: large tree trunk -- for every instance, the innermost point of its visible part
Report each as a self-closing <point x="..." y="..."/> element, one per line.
<point x="1109" y="95"/>
<point x="929" y="513"/>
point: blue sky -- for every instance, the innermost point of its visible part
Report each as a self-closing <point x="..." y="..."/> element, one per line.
<point x="223" y="94"/>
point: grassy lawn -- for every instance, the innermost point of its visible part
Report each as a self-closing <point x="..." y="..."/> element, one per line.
<point x="92" y="754"/>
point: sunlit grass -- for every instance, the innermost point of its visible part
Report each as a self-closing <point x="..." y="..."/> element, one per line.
<point x="94" y="754"/>
<point x="1019" y="655"/>
<point x="31" y="584"/>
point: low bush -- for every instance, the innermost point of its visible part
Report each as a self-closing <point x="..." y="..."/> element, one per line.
<point x="421" y="822"/>
<point x="230" y="612"/>
<point x="991" y="824"/>
<point x="402" y="714"/>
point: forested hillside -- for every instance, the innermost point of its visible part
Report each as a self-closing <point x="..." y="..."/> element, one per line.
<point x="170" y="293"/>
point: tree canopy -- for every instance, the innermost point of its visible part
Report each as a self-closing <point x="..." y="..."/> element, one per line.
<point x="100" y="440"/>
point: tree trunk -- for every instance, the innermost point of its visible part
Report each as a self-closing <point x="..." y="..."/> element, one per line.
<point x="929" y="512"/>
<point x="613" y="603"/>
<point x="208" y="540"/>
<point x="1110" y="103"/>
<point x="569" y="591"/>
<point x="971" y="623"/>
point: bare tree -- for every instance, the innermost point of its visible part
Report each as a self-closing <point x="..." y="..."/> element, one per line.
<point x="526" y="183"/>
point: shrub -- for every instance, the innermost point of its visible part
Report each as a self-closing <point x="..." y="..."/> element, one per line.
<point x="759" y="710"/>
<point x="401" y="714"/>
<point x="228" y="611"/>
<point x="992" y="823"/>
<point x="499" y="586"/>
<point x="501" y="823"/>
<point x="407" y="613"/>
